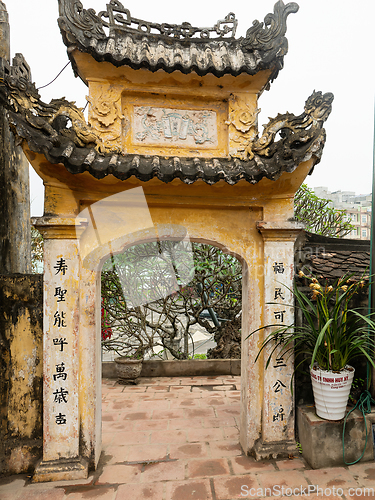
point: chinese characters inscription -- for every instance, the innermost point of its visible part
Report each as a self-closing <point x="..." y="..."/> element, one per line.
<point x="60" y="393"/>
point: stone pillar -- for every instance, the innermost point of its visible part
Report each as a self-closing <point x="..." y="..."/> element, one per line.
<point x="251" y="372"/>
<point x="90" y="374"/>
<point x="267" y="403"/>
<point x="4" y="32"/>
<point x="61" y="356"/>
<point x="15" y="238"/>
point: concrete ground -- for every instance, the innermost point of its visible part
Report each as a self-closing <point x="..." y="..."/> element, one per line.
<point x="178" y="439"/>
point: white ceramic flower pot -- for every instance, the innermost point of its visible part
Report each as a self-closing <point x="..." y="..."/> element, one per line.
<point x="128" y="370"/>
<point x="331" y="391"/>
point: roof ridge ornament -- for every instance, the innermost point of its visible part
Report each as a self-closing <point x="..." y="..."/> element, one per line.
<point x="60" y="118"/>
<point x="86" y="23"/>
<point x="18" y="76"/>
<point x="265" y="36"/>
<point x="119" y="18"/>
<point x="295" y="131"/>
<point x="114" y="36"/>
<point x="19" y="68"/>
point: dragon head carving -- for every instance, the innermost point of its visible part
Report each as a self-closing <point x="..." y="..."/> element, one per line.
<point x="319" y="106"/>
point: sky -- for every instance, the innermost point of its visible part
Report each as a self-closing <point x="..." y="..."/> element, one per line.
<point x="331" y="45"/>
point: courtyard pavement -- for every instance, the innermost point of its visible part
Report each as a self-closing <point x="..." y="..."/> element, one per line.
<point x="178" y="439"/>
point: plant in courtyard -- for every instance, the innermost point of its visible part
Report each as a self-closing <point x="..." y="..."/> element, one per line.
<point x="164" y="321"/>
<point x="318" y="216"/>
<point x="37" y="245"/>
<point x="332" y="333"/>
<point x="358" y="386"/>
<point x="128" y="335"/>
<point x="106" y="328"/>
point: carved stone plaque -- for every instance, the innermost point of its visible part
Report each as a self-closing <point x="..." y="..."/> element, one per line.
<point x="175" y="127"/>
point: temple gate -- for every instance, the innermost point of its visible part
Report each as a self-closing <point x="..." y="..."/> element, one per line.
<point x="171" y="151"/>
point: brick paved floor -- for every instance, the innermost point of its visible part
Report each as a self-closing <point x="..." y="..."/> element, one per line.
<point x="178" y="439"/>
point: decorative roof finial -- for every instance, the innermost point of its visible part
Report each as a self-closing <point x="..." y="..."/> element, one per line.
<point x="270" y="35"/>
<point x="120" y="19"/>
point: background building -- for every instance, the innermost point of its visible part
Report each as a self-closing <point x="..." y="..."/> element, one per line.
<point x="357" y="208"/>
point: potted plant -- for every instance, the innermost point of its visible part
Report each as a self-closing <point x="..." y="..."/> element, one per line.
<point x="129" y="367"/>
<point x="129" y="348"/>
<point x="331" y="336"/>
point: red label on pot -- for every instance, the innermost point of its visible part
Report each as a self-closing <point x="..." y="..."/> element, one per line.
<point x="335" y="382"/>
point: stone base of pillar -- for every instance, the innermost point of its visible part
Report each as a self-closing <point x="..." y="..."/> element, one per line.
<point x="61" y="470"/>
<point x="282" y="449"/>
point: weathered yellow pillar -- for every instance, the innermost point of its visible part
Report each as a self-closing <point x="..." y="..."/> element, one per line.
<point x="61" y="353"/>
<point x="15" y="236"/>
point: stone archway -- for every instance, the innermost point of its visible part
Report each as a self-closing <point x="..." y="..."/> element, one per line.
<point x="179" y="121"/>
<point x="73" y="259"/>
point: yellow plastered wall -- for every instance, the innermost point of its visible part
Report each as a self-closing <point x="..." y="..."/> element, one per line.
<point x="220" y="214"/>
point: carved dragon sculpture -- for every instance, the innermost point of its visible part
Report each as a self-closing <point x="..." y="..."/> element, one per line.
<point x="58" y="129"/>
<point x="294" y="130"/>
<point x="18" y="94"/>
<point x="269" y="38"/>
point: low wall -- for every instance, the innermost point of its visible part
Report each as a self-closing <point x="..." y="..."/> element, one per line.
<point x="321" y="440"/>
<point x="184" y="368"/>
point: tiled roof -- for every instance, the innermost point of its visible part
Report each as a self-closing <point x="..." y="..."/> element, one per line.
<point x="79" y="159"/>
<point x="333" y="258"/>
<point x="58" y="130"/>
<point x="116" y="37"/>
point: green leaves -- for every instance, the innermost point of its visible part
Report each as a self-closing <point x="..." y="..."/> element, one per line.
<point x="37" y="249"/>
<point x="331" y="335"/>
<point x="319" y="216"/>
<point x="164" y="319"/>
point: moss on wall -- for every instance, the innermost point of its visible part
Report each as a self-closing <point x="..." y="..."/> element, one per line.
<point x="21" y="366"/>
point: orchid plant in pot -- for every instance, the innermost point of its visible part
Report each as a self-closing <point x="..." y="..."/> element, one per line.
<point x="331" y="335"/>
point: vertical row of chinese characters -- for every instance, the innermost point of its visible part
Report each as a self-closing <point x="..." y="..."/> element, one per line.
<point x="60" y="394"/>
<point x="279" y="363"/>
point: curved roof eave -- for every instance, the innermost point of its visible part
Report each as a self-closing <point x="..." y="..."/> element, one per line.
<point x="116" y="37"/>
<point x="58" y="130"/>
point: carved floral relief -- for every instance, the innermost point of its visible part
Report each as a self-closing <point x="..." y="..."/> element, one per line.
<point x="243" y="125"/>
<point x="106" y="117"/>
